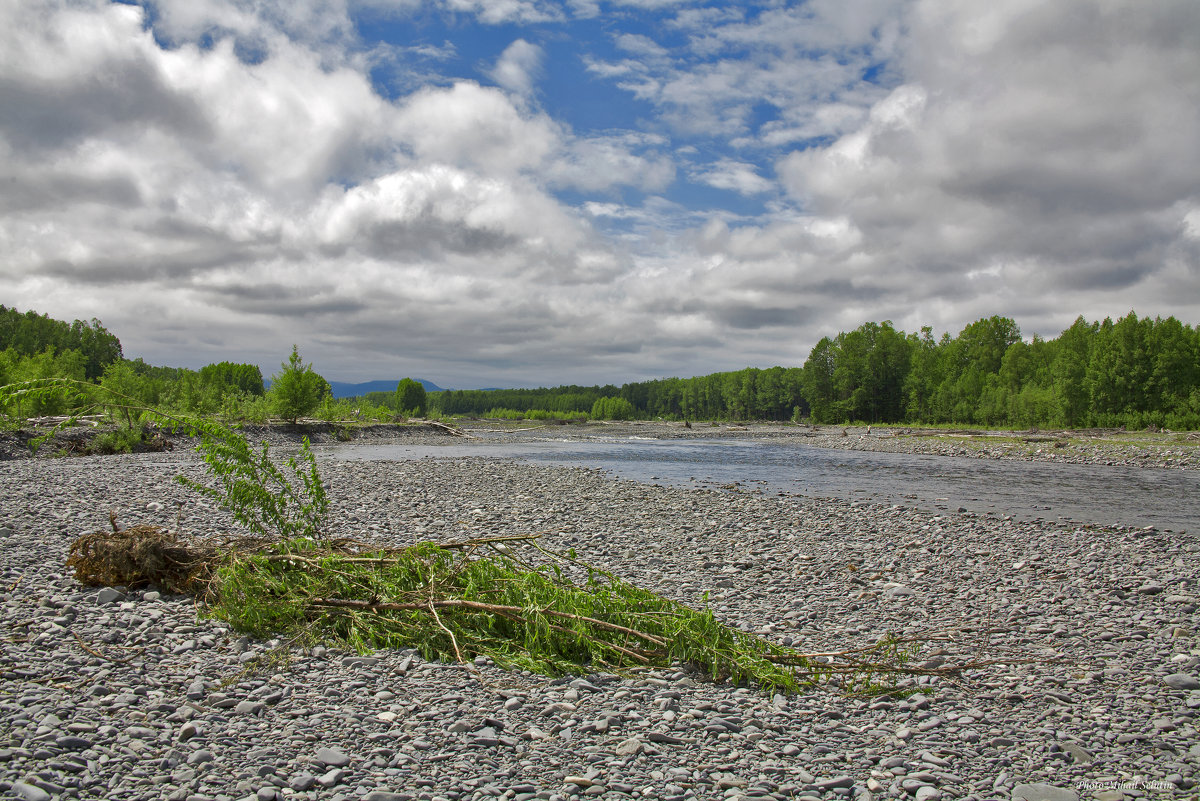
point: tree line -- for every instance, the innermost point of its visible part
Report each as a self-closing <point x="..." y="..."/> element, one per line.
<point x="31" y="335"/>
<point x="1133" y="372"/>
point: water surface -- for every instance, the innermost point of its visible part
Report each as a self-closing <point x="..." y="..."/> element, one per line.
<point x="1167" y="499"/>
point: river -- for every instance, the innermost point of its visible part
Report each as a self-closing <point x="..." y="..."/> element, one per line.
<point x="1164" y="499"/>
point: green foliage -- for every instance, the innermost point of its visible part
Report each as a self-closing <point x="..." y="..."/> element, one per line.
<point x="770" y="394"/>
<point x="263" y="496"/>
<point x="479" y="401"/>
<point x="612" y="409"/>
<point x="237" y="407"/>
<point x="1134" y="372"/>
<point x="30" y="333"/>
<point x="245" y="379"/>
<point x="859" y="375"/>
<point x="121" y="379"/>
<point x="546" y="414"/>
<point x="123" y="440"/>
<point x="533" y="414"/>
<point x="56" y="399"/>
<point x="340" y="410"/>
<point x="297" y="390"/>
<point x="377" y="400"/>
<point x="411" y="398"/>
<point x="455" y="604"/>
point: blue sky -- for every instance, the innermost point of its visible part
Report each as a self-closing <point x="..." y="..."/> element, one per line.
<point x="518" y="192"/>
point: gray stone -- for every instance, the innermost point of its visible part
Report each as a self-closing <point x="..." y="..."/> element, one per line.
<point x="331" y="778"/>
<point x="628" y="747"/>
<point x="332" y="757"/>
<point x="249" y="707"/>
<point x="29" y="792"/>
<point x="199" y="757"/>
<point x="1078" y="753"/>
<point x="1182" y="681"/>
<point x="1043" y="792"/>
<point x="108" y="595"/>
<point x="302" y="781"/>
<point x="70" y="743"/>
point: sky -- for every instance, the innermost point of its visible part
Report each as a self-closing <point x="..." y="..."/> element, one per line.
<point x="525" y="193"/>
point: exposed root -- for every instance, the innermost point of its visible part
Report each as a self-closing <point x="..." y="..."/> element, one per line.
<point x="141" y="556"/>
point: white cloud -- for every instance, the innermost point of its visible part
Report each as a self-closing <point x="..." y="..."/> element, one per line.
<point x="640" y="45"/>
<point x="737" y="176"/>
<point x="805" y="62"/>
<point x="497" y="12"/>
<point x="1031" y="159"/>
<point x="519" y="67"/>
<point x="602" y="162"/>
<point x="1046" y="146"/>
<point x="477" y="126"/>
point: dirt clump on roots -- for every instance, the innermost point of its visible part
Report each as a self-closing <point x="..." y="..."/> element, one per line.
<point x="141" y="556"/>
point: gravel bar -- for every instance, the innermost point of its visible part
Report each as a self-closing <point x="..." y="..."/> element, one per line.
<point x="129" y="694"/>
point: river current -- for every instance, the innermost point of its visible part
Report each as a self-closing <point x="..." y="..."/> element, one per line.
<point x="1165" y="499"/>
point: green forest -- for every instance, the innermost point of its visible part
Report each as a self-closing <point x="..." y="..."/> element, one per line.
<point x="1135" y="372"/>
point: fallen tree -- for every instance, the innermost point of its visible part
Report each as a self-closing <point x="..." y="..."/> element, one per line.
<point x="451" y="601"/>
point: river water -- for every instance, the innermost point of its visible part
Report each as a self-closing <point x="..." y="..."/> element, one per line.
<point x="1165" y="499"/>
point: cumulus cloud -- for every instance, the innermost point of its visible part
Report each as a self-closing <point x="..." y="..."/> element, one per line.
<point x="222" y="178"/>
<point x="736" y="176"/>
<point x="1034" y="151"/>
<point x="496" y="12"/>
<point x="518" y="67"/>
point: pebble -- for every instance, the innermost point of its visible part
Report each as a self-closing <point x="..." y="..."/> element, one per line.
<point x="1043" y="792"/>
<point x="29" y="792"/>
<point x="332" y="757"/>
<point x="1182" y="681"/>
<point x="179" y="707"/>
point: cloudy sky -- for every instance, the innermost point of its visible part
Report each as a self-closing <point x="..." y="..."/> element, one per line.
<point x="523" y="192"/>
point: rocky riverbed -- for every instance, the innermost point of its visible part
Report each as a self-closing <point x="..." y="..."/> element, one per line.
<point x="130" y="695"/>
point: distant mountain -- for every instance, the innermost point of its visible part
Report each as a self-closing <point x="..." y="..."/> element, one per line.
<point x="343" y="390"/>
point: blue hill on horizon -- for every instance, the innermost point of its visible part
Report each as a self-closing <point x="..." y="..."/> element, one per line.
<point x="342" y="389"/>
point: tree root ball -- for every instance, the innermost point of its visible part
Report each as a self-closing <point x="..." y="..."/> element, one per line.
<point x="140" y="556"/>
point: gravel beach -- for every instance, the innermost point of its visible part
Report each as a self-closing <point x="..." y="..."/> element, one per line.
<point x="131" y="695"/>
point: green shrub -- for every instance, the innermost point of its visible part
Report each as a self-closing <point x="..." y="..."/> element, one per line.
<point x="297" y="390"/>
<point x="123" y="440"/>
<point x="411" y="398"/>
<point x="612" y="409"/>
